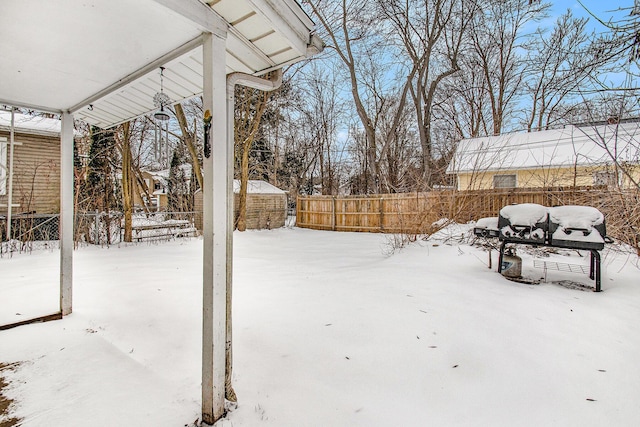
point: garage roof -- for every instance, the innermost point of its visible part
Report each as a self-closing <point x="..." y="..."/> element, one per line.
<point x="568" y="146"/>
<point x="100" y="59"/>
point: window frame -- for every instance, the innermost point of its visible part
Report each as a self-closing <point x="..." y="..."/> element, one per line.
<point x="609" y="178"/>
<point x="504" y="177"/>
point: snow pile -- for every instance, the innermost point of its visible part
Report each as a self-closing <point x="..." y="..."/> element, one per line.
<point x="572" y="220"/>
<point x="328" y="331"/>
<point x="522" y="221"/>
<point x="490" y="223"/>
<point x="576" y="216"/>
<point x="524" y="214"/>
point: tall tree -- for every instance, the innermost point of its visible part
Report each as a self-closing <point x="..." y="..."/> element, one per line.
<point x="127" y="178"/>
<point x="189" y="139"/>
<point x="353" y="31"/>
<point x="319" y="119"/>
<point x="497" y="37"/>
<point x="430" y="34"/>
<point x="560" y="63"/>
<point x="249" y="108"/>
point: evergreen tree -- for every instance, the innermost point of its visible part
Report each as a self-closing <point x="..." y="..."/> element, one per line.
<point x="177" y="186"/>
<point x="101" y="183"/>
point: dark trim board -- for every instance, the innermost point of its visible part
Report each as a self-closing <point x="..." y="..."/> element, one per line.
<point x="41" y="319"/>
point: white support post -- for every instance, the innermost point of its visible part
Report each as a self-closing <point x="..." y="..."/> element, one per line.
<point x="215" y="231"/>
<point x="12" y="143"/>
<point x="66" y="213"/>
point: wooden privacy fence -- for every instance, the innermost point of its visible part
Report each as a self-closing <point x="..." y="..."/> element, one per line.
<point x="417" y="212"/>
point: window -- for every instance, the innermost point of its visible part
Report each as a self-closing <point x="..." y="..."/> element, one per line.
<point x="605" y="178"/>
<point x="3" y="166"/>
<point x="504" y="181"/>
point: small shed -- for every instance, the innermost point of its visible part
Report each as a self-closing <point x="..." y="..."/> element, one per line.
<point x="36" y="164"/>
<point x="266" y="205"/>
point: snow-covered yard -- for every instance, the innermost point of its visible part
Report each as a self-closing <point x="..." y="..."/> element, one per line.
<point x="330" y="330"/>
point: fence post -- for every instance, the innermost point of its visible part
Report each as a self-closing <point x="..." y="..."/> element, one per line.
<point x="381" y="215"/>
<point x="96" y="227"/>
<point x="333" y="213"/>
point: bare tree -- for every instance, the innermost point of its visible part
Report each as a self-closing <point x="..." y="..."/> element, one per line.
<point x="124" y="144"/>
<point x="353" y="31"/>
<point x="431" y="35"/>
<point x="560" y="64"/>
<point x="250" y="106"/>
<point x="189" y="139"/>
<point x="496" y="37"/>
<point x="465" y="104"/>
<point x="320" y="114"/>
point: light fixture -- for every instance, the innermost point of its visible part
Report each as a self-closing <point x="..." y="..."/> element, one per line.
<point x="161" y="99"/>
<point x="161" y="114"/>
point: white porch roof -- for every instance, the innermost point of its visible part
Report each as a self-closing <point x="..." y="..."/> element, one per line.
<point x="100" y="59"/>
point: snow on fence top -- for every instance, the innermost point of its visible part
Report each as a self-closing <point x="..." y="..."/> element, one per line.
<point x="525" y="214"/>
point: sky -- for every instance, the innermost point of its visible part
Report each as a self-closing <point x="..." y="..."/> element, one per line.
<point x="601" y="9"/>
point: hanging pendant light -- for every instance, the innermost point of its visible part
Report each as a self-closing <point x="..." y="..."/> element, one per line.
<point x="161" y="99"/>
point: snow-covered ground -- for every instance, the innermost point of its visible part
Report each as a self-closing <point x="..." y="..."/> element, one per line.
<point x="329" y="330"/>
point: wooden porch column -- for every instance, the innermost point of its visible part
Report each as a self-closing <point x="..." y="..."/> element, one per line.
<point x="215" y="231"/>
<point x="66" y="214"/>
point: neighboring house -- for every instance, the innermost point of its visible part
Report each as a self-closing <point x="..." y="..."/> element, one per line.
<point x="36" y="164"/>
<point x="157" y="184"/>
<point x="266" y="205"/>
<point x="581" y="155"/>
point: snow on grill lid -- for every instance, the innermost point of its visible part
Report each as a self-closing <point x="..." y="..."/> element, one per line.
<point x="576" y="216"/>
<point x="490" y="222"/>
<point x="528" y="214"/>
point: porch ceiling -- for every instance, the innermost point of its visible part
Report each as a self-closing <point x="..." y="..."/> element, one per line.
<point x="100" y="59"/>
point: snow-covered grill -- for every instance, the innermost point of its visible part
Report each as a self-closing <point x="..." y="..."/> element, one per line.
<point x="570" y="227"/>
<point x="487" y="227"/>
<point x="525" y="223"/>
<point x="576" y="227"/>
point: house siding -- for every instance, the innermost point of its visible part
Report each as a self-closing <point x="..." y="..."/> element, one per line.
<point x="582" y="176"/>
<point x="36" y="180"/>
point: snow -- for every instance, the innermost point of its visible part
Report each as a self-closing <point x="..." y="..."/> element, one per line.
<point x="489" y="223"/>
<point x="328" y="331"/>
<point x="255" y="186"/>
<point x="580" y="217"/>
<point x="25" y="123"/>
<point x="570" y="146"/>
<point x="576" y="216"/>
<point x="524" y="214"/>
<point x="577" y="236"/>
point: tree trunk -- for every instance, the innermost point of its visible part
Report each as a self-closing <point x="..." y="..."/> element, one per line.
<point x="242" y="196"/>
<point x="127" y="182"/>
<point x="188" y="139"/>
